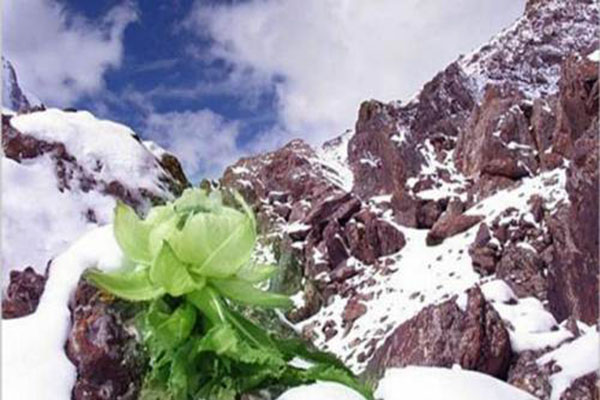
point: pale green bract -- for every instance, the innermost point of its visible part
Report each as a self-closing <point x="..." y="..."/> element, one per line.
<point x="187" y="245"/>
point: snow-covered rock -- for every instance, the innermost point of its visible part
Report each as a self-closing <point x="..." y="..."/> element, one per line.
<point x="14" y="97"/>
<point x="62" y="173"/>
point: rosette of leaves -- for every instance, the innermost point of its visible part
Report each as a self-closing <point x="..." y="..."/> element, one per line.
<point x="189" y="260"/>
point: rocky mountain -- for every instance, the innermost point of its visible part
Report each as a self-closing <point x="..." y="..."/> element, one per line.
<point x="458" y="229"/>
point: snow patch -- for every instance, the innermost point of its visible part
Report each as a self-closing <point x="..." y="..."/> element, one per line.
<point x="576" y="359"/>
<point x="34" y="363"/>
<point x="430" y="383"/>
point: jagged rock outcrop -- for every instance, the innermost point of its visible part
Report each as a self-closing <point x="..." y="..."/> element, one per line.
<point x="23" y="293"/>
<point x="13" y="96"/>
<point x="107" y="355"/>
<point x="443" y="335"/>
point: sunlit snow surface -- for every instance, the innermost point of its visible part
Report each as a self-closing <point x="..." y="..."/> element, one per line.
<point x="422" y="383"/>
<point x="428" y="383"/>
<point x="39" y="218"/>
<point x="321" y="391"/>
<point x="34" y="363"/>
<point x="333" y="162"/>
<point x="575" y="359"/>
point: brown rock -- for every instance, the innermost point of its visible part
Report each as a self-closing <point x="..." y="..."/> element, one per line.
<point x="443" y="335"/>
<point x="354" y="310"/>
<point x="583" y="388"/>
<point x="523" y="270"/>
<point x="496" y="140"/>
<point x="104" y="353"/>
<point x="577" y="103"/>
<point x="23" y="293"/>
<point x="450" y="224"/>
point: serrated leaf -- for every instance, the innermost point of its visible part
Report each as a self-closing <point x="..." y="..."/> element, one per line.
<point x="128" y="284"/>
<point x="219" y="339"/>
<point x="246" y="293"/>
<point x="131" y="233"/>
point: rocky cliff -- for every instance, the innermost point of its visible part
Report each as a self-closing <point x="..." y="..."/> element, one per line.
<point x="457" y="228"/>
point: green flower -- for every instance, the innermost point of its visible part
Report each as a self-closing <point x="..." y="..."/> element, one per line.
<point x="193" y="243"/>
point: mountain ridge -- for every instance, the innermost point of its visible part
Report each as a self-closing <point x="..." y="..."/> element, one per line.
<point x="458" y="228"/>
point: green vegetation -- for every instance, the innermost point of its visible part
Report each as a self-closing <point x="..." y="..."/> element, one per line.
<point x="190" y="262"/>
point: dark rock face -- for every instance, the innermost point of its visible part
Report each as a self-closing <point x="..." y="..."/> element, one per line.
<point x="23" y="293"/>
<point x="381" y="157"/>
<point x="528" y="375"/>
<point x="523" y="270"/>
<point x="573" y="271"/>
<point x="451" y="223"/>
<point x="583" y="388"/>
<point x="497" y="140"/>
<point x="105" y="353"/>
<point x="443" y="335"/>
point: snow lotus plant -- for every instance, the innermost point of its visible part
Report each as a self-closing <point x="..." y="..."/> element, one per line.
<point x="192" y="245"/>
<point x="189" y="260"/>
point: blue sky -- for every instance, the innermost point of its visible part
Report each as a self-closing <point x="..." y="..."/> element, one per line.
<point x="215" y="80"/>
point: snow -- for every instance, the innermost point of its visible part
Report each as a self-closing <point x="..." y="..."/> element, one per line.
<point x="296" y="226"/>
<point x="530" y="326"/>
<point x="108" y="148"/>
<point x="240" y="170"/>
<point x="34" y="363"/>
<point x="321" y="391"/>
<point x="430" y="383"/>
<point x="421" y="275"/>
<point x="53" y="222"/>
<point x="551" y="185"/>
<point x="332" y="158"/>
<point x="155" y="149"/>
<point x="576" y="359"/>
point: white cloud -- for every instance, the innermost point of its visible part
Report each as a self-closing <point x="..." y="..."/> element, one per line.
<point x="202" y="140"/>
<point x="58" y="55"/>
<point x="332" y="54"/>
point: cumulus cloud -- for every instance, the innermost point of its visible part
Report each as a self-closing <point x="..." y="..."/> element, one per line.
<point x="323" y="57"/>
<point x="203" y="141"/>
<point x="61" y="56"/>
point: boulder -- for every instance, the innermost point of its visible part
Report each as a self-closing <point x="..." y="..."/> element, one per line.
<point x="108" y="361"/>
<point x="443" y="335"/>
<point x="23" y="293"/>
<point x="451" y="223"/>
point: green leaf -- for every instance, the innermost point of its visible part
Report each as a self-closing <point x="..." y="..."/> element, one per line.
<point x="131" y="233"/>
<point x="170" y="329"/>
<point x="209" y="303"/>
<point x="255" y="273"/>
<point x="128" y="284"/>
<point x="162" y="231"/>
<point x="219" y="339"/>
<point x="246" y="293"/>
<point x="170" y="273"/>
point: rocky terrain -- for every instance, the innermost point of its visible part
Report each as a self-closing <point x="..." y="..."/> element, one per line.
<point x="457" y="229"/>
